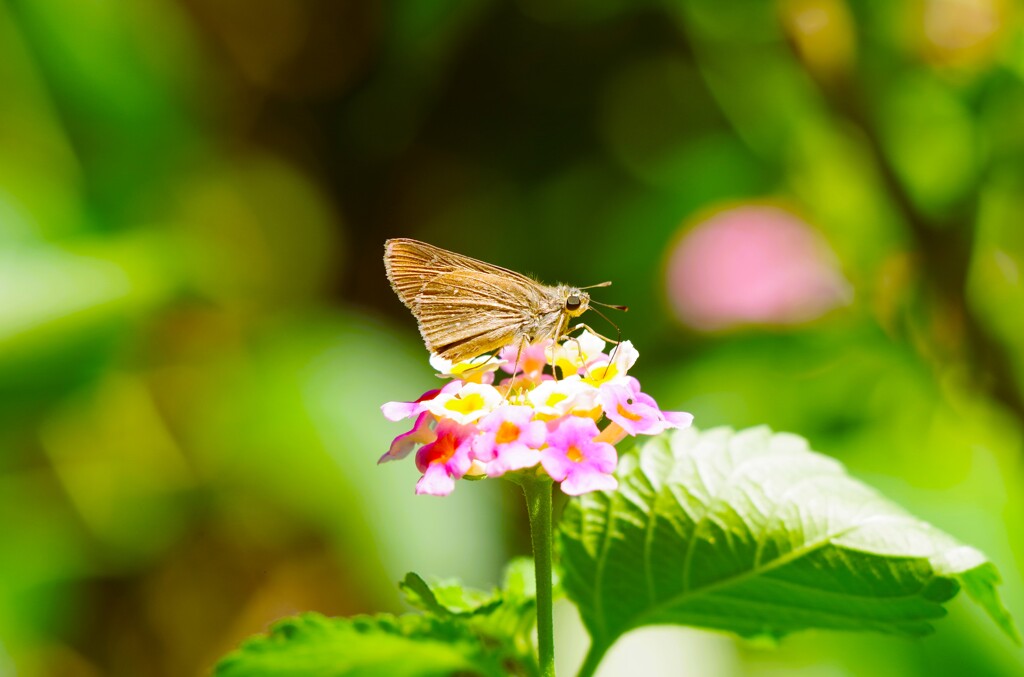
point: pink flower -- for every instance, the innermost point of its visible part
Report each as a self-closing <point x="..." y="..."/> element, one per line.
<point x="612" y="434"/>
<point x="575" y="353"/>
<point x="479" y="369"/>
<point x="678" y="419"/>
<point x="576" y="460"/>
<point x="610" y="368"/>
<point x="509" y="440"/>
<point x="446" y="459"/>
<point x="636" y="412"/>
<point x="396" y="411"/>
<point x="532" y="360"/>
<point x="464" y="403"/>
<point x="532" y="421"/>
<point x="421" y="433"/>
<point x="554" y="399"/>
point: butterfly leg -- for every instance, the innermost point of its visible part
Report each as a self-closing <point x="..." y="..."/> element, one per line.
<point x="579" y="351"/>
<point x="611" y="355"/>
<point x="581" y="325"/>
<point x="515" y="370"/>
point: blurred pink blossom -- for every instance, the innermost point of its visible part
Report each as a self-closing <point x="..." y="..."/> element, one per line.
<point x="754" y="264"/>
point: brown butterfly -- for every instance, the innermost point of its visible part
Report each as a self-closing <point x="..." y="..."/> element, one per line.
<point x="466" y="307"/>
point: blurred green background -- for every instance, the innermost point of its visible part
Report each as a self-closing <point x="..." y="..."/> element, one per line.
<point x="813" y="207"/>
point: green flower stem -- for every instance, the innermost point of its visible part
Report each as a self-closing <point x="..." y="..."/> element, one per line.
<point x="538" y="505"/>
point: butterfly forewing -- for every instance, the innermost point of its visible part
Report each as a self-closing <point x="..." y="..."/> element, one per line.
<point x="411" y="264"/>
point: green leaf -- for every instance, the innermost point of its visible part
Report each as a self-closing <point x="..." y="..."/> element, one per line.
<point x="516" y="616"/>
<point x="506" y="616"/>
<point x="753" y="533"/>
<point x="519" y="583"/>
<point x="405" y="646"/>
<point x="448" y="597"/>
<point x="464" y="631"/>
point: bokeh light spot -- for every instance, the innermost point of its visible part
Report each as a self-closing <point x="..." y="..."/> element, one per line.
<point x="754" y="264"/>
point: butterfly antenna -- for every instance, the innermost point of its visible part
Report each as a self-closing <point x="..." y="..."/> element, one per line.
<point x="618" y="334"/>
<point x="607" y="283"/>
<point x="608" y="305"/>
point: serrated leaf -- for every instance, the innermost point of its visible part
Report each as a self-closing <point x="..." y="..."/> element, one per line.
<point x="505" y="616"/>
<point x="311" y="645"/>
<point x="516" y="616"/>
<point x="755" y="534"/>
<point x="463" y="632"/>
<point x="447" y="597"/>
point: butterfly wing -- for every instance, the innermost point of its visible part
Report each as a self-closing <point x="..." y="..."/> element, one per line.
<point x="412" y="264"/>
<point x="465" y="313"/>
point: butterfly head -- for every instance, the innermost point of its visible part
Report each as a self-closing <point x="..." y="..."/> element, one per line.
<point x="575" y="301"/>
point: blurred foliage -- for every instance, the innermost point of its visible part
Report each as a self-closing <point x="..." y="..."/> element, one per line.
<point x="196" y="332"/>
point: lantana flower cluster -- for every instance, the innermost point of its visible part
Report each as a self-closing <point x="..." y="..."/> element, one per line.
<point x="560" y="413"/>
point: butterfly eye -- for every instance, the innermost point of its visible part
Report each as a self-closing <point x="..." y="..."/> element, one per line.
<point x="572" y="302"/>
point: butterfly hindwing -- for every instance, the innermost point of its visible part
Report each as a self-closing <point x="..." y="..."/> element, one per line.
<point x="463" y="314"/>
